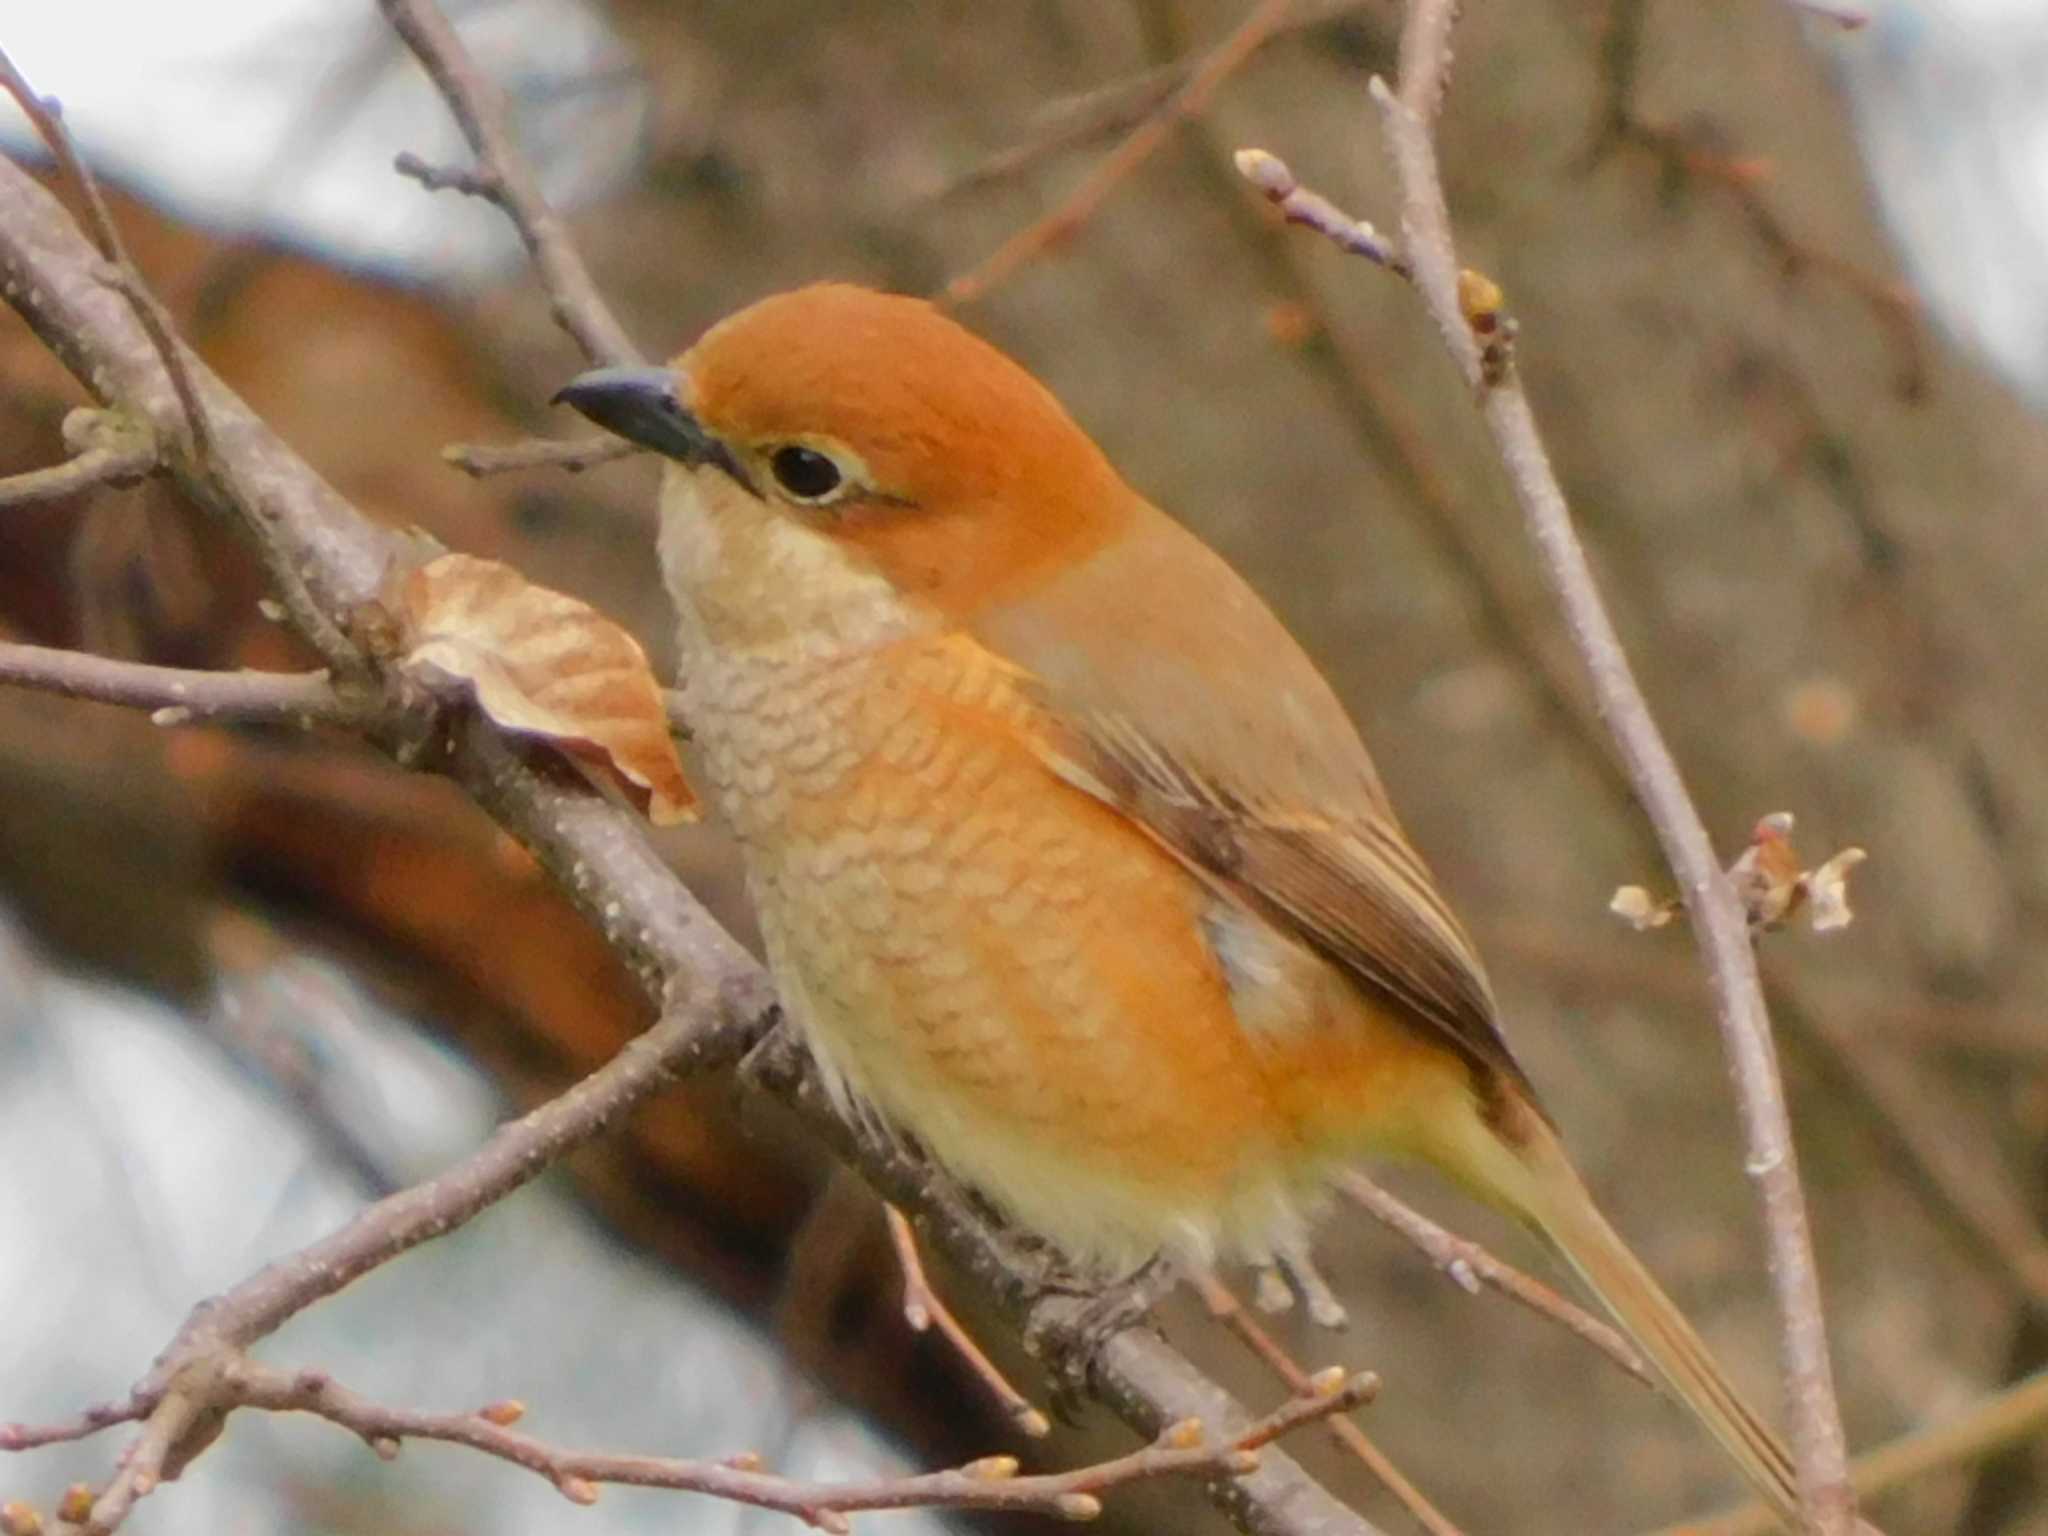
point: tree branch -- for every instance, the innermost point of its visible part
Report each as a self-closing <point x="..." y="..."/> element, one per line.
<point x="1080" y="205"/>
<point x="1471" y="1266"/>
<point x="992" y="1483"/>
<point x="924" y="1309"/>
<point x="176" y="695"/>
<point x="504" y="177"/>
<point x="106" y="451"/>
<point x="47" y="118"/>
<point x="1719" y="922"/>
<point x="1228" y="1310"/>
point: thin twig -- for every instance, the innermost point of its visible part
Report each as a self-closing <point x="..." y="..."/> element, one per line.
<point x="177" y="695"/>
<point x="80" y="1426"/>
<point x="575" y="454"/>
<point x="1471" y="1266"/>
<point x="47" y="118"/>
<point x="1080" y="205"/>
<point x="924" y="1309"/>
<point x="2007" y="1417"/>
<point x="93" y="468"/>
<point x="1224" y="1306"/>
<point x="1113" y="107"/>
<point x="219" y="1328"/>
<point x="504" y="177"/>
<point x="992" y="1483"/>
<point x="1719" y="924"/>
<point x="1310" y="209"/>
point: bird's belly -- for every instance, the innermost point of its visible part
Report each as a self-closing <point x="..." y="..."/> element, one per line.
<point x="1010" y="972"/>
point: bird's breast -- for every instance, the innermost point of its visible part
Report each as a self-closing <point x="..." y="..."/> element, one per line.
<point x="994" y="960"/>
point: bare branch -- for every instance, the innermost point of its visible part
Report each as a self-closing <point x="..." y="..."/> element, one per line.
<point x="923" y="1309"/>
<point x="177" y="696"/>
<point x="575" y="454"/>
<point x="1719" y="923"/>
<point x="1228" y="1310"/>
<point x="1068" y="122"/>
<point x="80" y="1426"/>
<point x="47" y="118"/>
<point x="992" y="1483"/>
<point x="95" y="467"/>
<point x="1310" y="209"/>
<point x="107" y="450"/>
<point x="1080" y="206"/>
<point x="506" y="179"/>
<point x="1472" y="1266"/>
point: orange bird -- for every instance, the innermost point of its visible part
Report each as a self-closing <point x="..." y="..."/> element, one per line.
<point x="1068" y="860"/>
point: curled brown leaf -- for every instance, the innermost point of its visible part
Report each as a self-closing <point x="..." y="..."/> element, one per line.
<point x="544" y="664"/>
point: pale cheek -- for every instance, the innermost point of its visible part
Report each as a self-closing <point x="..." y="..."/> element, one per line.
<point x="746" y="575"/>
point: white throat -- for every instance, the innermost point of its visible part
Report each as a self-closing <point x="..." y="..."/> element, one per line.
<point x="748" y="577"/>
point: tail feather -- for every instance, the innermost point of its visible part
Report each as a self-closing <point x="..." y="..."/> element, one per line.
<point x="1536" y="1182"/>
<point x="1568" y="1217"/>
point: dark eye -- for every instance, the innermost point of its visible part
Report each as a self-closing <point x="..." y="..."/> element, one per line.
<point x="805" y="473"/>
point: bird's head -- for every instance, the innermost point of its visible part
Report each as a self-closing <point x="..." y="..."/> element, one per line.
<point x="839" y="432"/>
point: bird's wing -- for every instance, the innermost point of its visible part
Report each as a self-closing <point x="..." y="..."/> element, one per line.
<point x="1171" y="692"/>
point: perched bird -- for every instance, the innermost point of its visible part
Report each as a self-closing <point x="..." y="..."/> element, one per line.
<point x="1068" y="860"/>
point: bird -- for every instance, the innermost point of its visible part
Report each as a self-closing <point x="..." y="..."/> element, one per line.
<point x="1068" y="861"/>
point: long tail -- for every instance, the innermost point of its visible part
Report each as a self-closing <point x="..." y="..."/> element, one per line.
<point x="1536" y="1182"/>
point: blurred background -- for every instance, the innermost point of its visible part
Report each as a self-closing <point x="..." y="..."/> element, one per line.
<point x="1784" y="303"/>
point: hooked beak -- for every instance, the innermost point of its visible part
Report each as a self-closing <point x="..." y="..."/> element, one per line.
<point x="642" y="406"/>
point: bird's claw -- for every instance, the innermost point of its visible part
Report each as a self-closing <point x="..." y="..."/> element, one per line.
<point x="1069" y="1329"/>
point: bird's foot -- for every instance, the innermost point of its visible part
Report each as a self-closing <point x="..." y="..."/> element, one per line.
<point x="1076" y="1319"/>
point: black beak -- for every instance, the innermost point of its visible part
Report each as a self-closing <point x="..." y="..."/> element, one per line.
<point x="641" y="405"/>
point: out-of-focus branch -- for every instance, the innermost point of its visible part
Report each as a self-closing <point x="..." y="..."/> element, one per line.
<point x="924" y="1309"/>
<point x="1228" y="1310"/>
<point x="1081" y="204"/>
<point x="575" y="454"/>
<point x="47" y="119"/>
<point x="1472" y="1266"/>
<point x="504" y="177"/>
<point x="1848" y="17"/>
<point x="1071" y="121"/>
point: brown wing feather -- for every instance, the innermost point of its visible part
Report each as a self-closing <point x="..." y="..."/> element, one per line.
<point x="1357" y="894"/>
<point x="1186" y="705"/>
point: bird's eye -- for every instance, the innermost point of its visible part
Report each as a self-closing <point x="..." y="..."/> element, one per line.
<point x="805" y="473"/>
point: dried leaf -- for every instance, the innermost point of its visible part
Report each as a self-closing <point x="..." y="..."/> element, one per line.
<point x="1640" y="910"/>
<point x="1773" y="884"/>
<point x="1827" y="889"/>
<point x="544" y="664"/>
